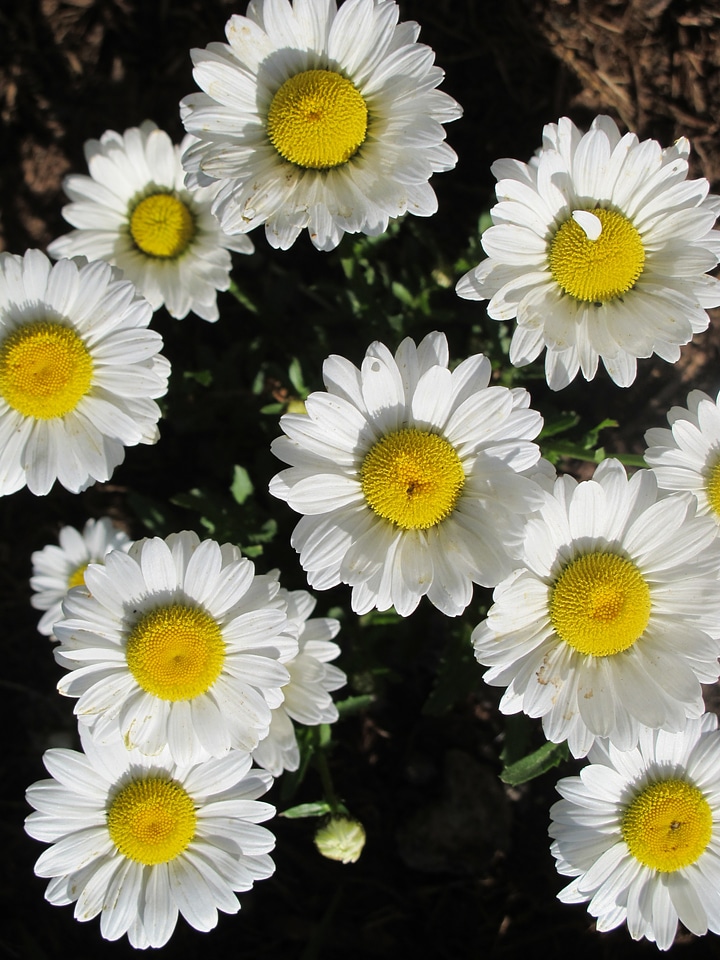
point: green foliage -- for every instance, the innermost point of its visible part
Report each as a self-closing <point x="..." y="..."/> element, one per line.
<point x="546" y="757"/>
<point x="522" y="761"/>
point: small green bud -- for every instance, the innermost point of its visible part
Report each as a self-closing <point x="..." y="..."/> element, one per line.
<point x="341" y="838"/>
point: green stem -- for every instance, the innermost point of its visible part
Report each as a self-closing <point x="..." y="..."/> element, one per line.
<point x="330" y="796"/>
<point x="241" y="298"/>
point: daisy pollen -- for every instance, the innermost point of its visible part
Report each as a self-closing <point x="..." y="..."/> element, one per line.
<point x="599" y="249"/>
<point x="317" y="120"/>
<point x="318" y="117"/>
<point x="162" y="226"/>
<point x="412" y="478"/>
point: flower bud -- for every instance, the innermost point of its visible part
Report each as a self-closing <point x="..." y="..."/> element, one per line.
<point x="341" y="838"/>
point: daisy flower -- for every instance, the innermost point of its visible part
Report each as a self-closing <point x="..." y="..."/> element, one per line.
<point x="318" y="117"/>
<point x="57" y="569"/>
<point x="599" y="248"/>
<point x="140" y="839"/>
<point x="409" y="476"/>
<point x="640" y="832"/>
<point x="178" y="642"/>
<point x="135" y="211"/>
<point x="612" y="618"/>
<point x="306" y="695"/>
<point x="687" y="456"/>
<point x="79" y="372"/>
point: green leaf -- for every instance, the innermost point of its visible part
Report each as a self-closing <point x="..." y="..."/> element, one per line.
<point x="591" y="437"/>
<point x="559" y="424"/>
<point x="546" y="757"/>
<point x="241" y="486"/>
<point x="203" y="377"/>
<point x="296" y="378"/>
<point x="153" y="514"/>
<point x="242" y="298"/>
<point x="317" y="809"/>
<point x="403" y="294"/>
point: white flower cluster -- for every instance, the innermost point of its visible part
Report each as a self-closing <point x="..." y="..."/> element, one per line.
<point x="188" y="667"/>
<point x="414" y="478"/>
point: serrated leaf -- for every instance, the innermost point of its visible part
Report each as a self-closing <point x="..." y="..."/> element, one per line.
<point x="546" y="757"/>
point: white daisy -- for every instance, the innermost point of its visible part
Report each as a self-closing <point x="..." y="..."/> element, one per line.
<point x="612" y="618"/>
<point x="600" y="248"/>
<point x="79" y="372"/>
<point x="57" y="569"/>
<point x="320" y="118"/>
<point x="640" y="832"/>
<point x="410" y="477"/>
<point x="139" y="839"/>
<point x="687" y="456"/>
<point x="179" y="642"/>
<point x="306" y="695"/>
<point x="135" y="211"/>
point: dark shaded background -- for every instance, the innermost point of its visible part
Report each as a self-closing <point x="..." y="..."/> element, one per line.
<point x="456" y="867"/>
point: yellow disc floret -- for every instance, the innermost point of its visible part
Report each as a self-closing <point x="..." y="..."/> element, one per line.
<point x="152" y="820"/>
<point x="176" y="652"/>
<point x="597" y="270"/>
<point x="712" y="488"/>
<point x="600" y="604"/>
<point x="668" y="825"/>
<point x="45" y="369"/>
<point x="318" y="119"/>
<point x="412" y="478"/>
<point x="162" y="226"/>
<point x="77" y="577"/>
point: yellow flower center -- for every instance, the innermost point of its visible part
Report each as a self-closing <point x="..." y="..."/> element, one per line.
<point x="668" y="825"/>
<point x="317" y="119"/>
<point x="176" y="652"/>
<point x="152" y="820"/>
<point x="162" y="226"/>
<point x="600" y="604"/>
<point x="712" y="488"/>
<point x="77" y="577"/>
<point x="45" y="370"/>
<point x="601" y="269"/>
<point x="412" y="478"/>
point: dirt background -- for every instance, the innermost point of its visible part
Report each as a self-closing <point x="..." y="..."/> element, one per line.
<point x="455" y="867"/>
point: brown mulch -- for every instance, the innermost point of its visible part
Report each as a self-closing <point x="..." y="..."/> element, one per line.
<point x="653" y="64"/>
